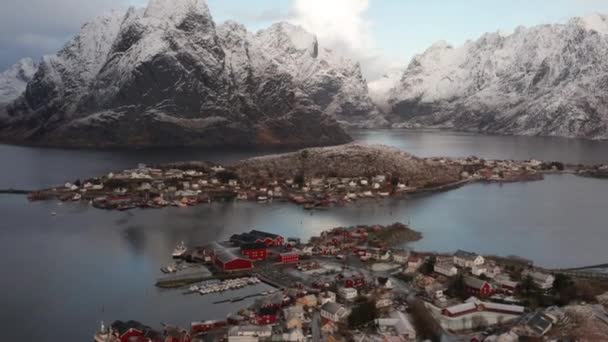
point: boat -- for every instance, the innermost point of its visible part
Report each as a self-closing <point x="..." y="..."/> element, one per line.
<point x="103" y="334"/>
<point x="179" y="250"/>
<point x="199" y="327"/>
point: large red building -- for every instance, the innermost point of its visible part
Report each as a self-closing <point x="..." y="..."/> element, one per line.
<point x="289" y="258"/>
<point x="227" y="261"/>
<point x="254" y="251"/>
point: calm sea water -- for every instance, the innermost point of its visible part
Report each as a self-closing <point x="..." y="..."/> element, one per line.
<point x="64" y="273"/>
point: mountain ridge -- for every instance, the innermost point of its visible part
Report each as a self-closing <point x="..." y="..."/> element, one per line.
<point x="544" y="80"/>
<point x="168" y="75"/>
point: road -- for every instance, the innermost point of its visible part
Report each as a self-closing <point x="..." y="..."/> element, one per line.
<point x="315" y="325"/>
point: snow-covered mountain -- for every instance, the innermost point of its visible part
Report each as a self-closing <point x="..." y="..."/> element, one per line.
<point x="166" y="75"/>
<point x="14" y="80"/>
<point x="544" y="80"/>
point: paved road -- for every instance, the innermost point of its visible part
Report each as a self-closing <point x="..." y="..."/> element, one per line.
<point x="316" y="327"/>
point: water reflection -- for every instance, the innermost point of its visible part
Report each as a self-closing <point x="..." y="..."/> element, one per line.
<point x="430" y="143"/>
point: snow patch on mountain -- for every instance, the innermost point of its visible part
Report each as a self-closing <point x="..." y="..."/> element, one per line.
<point x="174" y="11"/>
<point x="542" y="80"/>
<point x="594" y="21"/>
<point x="14" y="79"/>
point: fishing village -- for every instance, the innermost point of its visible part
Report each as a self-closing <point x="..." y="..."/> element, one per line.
<point x="313" y="178"/>
<point x="363" y="283"/>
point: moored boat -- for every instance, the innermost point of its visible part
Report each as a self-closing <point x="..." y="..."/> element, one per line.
<point x="179" y="250"/>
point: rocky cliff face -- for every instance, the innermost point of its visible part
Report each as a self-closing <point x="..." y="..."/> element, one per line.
<point x="14" y="80"/>
<point x="166" y="75"/>
<point x="545" y="80"/>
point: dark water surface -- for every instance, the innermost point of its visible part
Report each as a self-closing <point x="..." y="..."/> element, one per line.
<point x="64" y="273"/>
<point x="435" y="143"/>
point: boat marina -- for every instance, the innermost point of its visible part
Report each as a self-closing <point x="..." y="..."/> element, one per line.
<point x="217" y="286"/>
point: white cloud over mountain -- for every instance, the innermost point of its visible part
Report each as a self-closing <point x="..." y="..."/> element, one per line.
<point x="343" y="26"/>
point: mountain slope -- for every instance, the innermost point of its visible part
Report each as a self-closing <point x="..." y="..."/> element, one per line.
<point x="14" y="80"/>
<point x="166" y="75"/>
<point x="545" y="80"/>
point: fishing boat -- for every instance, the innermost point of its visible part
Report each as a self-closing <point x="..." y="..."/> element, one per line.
<point x="179" y="250"/>
<point x="200" y="327"/>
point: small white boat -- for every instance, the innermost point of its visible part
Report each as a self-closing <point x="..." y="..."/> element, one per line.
<point x="179" y="250"/>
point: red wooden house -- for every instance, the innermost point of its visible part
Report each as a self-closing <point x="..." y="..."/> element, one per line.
<point x="353" y="280"/>
<point x="289" y="258"/>
<point x="478" y="287"/>
<point x="229" y="262"/>
<point x="254" y="251"/>
<point x="133" y="331"/>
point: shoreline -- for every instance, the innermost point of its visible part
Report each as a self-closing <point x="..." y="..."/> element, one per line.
<point x="187" y="184"/>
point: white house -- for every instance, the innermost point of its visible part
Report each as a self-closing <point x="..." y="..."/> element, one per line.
<point x="467" y="259"/>
<point x="399" y="323"/>
<point x="383" y="303"/>
<point x="348" y="293"/>
<point x="414" y="263"/>
<point x="401" y="256"/>
<point x="479" y="270"/>
<point x="543" y="280"/>
<point x="445" y="267"/>
<point x="327" y="297"/>
<point x="333" y="311"/>
<point x="294" y="335"/>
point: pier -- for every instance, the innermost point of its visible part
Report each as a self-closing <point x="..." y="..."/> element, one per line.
<point x="14" y="192"/>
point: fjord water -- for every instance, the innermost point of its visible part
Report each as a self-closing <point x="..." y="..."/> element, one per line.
<point x="64" y="273"/>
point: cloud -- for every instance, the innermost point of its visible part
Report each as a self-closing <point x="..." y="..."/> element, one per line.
<point x="37" y="27"/>
<point x="342" y="25"/>
<point x="263" y="16"/>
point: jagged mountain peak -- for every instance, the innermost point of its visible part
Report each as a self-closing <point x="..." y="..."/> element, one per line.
<point x="175" y="10"/>
<point x="592" y="22"/>
<point x="286" y="38"/>
<point x="23" y="70"/>
<point x="14" y="79"/>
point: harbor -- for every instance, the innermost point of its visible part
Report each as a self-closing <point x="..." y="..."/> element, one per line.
<point x="321" y="285"/>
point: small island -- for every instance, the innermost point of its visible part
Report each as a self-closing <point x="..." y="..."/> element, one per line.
<point x="316" y="178"/>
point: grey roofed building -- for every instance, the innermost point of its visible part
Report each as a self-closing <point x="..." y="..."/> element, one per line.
<point x="225" y="255"/>
<point x="473" y="282"/>
<point x="332" y="307"/>
<point x="539" y="323"/>
<point x="465" y="255"/>
<point x="333" y="311"/>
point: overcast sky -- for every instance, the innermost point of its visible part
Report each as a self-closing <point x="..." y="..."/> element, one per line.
<point x="381" y="34"/>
